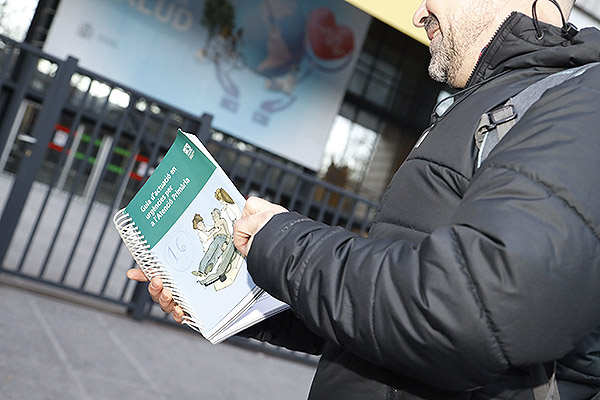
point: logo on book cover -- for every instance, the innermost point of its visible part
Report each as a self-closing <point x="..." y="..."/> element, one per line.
<point x="188" y="151"/>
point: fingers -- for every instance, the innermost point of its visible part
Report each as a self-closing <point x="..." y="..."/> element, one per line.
<point x="161" y="295"/>
<point x="245" y="228"/>
<point x="257" y="212"/>
<point x="178" y="314"/>
<point x="255" y="205"/>
<point x="164" y="298"/>
<point x="155" y="288"/>
<point x="136" y="274"/>
<point x="242" y="236"/>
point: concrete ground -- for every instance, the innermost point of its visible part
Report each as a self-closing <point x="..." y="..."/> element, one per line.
<point x="57" y="348"/>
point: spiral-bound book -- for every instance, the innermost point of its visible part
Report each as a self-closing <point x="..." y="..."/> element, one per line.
<point x="179" y="227"/>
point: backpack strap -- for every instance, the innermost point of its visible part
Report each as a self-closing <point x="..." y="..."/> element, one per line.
<point x="495" y="124"/>
<point x="543" y="381"/>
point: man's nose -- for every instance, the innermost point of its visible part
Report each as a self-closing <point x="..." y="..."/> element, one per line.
<point x="420" y="15"/>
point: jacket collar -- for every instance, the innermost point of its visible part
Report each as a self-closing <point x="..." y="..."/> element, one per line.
<point x="515" y="46"/>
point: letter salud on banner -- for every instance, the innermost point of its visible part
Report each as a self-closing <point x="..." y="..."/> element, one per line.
<point x="271" y="72"/>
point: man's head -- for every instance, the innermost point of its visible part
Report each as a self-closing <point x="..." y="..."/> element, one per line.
<point x="460" y="29"/>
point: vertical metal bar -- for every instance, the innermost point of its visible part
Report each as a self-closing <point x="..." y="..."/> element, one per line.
<point x="124" y="182"/>
<point x="233" y="171"/>
<point x="265" y="181"/>
<point x="205" y="131"/>
<point x="279" y="191"/>
<point x="308" y="200"/>
<point x="140" y="300"/>
<point x="338" y="210"/>
<point x="323" y="206"/>
<point x="350" y="220"/>
<point x="295" y="195"/>
<point x="96" y="174"/>
<point x="219" y="155"/>
<point x="186" y="125"/>
<point x="249" y="177"/>
<point x="366" y="221"/>
<point x="64" y="175"/>
<point x="127" y="282"/>
<point x="118" y="248"/>
<point x="42" y="130"/>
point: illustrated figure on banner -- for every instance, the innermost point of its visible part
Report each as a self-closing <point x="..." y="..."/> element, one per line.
<point x="278" y="43"/>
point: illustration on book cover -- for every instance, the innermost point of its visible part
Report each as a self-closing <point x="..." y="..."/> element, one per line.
<point x="221" y="261"/>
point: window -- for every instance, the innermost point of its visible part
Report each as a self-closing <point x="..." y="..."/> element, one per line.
<point x="348" y="153"/>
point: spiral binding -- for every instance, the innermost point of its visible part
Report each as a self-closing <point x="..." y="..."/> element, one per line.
<point x="151" y="265"/>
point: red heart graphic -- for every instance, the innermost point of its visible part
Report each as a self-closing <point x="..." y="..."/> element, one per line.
<point x="329" y="41"/>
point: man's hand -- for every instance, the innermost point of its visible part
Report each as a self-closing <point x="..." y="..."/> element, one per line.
<point x="255" y="215"/>
<point x="159" y="294"/>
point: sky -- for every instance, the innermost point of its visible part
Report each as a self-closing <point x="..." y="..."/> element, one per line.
<point x="16" y="17"/>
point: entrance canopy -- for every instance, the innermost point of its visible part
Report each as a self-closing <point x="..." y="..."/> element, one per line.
<point x="397" y="13"/>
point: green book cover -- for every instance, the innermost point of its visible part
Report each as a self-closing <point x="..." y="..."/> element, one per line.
<point x="170" y="190"/>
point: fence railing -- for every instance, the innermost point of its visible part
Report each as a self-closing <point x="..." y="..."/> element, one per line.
<point x="76" y="146"/>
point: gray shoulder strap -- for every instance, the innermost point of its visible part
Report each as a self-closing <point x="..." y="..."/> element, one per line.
<point x="543" y="381"/>
<point x="494" y="125"/>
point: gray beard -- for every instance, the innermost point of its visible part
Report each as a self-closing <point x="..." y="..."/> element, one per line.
<point x="445" y="62"/>
<point x="438" y="66"/>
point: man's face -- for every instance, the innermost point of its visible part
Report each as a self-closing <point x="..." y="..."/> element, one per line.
<point x="454" y="28"/>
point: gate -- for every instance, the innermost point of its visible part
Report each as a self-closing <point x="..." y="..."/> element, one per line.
<point x="76" y="146"/>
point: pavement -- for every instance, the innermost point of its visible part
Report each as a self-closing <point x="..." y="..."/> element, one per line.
<point x="60" y="346"/>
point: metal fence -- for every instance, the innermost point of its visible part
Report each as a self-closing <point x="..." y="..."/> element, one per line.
<point x="76" y="146"/>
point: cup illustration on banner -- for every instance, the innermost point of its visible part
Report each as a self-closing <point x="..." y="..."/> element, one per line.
<point x="330" y="45"/>
<point x="283" y="43"/>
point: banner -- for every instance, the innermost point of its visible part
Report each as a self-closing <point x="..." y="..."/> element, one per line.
<point x="272" y="72"/>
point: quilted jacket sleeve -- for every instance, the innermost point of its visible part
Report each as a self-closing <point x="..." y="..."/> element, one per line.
<point x="514" y="280"/>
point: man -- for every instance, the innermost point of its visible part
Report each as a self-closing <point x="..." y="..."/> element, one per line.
<point x="221" y="238"/>
<point x="471" y="278"/>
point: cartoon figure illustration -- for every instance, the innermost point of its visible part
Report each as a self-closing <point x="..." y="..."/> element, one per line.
<point x="230" y="210"/>
<point x="221" y="237"/>
<point x="212" y="240"/>
<point x="221" y="261"/>
<point x="205" y="234"/>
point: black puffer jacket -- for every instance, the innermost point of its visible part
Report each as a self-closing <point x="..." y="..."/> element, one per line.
<point x="468" y="276"/>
